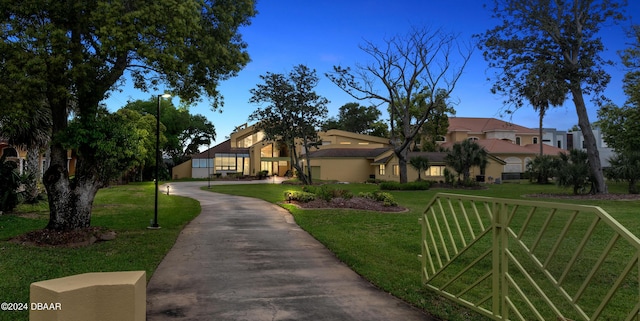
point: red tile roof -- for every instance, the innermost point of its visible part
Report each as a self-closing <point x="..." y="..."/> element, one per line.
<point x="498" y="146"/>
<point x="483" y="125"/>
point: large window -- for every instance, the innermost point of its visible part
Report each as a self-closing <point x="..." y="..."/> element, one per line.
<point x="382" y="169"/>
<point x="229" y="162"/>
<point x="225" y="162"/>
<point x="201" y="163"/>
<point x="435" y="171"/>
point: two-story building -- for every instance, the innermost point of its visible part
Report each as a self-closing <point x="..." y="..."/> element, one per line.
<point x="352" y="157"/>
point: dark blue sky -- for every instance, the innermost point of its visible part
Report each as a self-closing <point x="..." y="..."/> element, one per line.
<point x="321" y="34"/>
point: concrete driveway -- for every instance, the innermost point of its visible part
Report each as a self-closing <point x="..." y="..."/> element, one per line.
<point x="246" y="259"/>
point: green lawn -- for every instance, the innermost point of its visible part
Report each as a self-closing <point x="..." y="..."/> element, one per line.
<point x="124" y="209"/>
<point x="384" y="247"/>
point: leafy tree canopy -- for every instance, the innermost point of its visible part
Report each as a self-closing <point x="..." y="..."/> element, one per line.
<point x="294" y="112"/>
<point x="67" y="55"/>
<point x="358" y="119"/>
<point x="185" y="133"/>
<point x="544" y="49"/>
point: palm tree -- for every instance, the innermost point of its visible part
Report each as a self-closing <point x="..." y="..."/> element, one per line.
<point x="420" y="164"/>
<point x="543" y="90"/>
<point x="626" y="166"/>
<point x="465" y="155"/>
<point x="33" y="132"/>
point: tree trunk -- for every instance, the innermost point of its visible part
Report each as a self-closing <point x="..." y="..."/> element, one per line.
<point x="402" y="163"/>
<point x="70" y="202"/>
<point x="633" y="189"/>
<point x="33" y="171"/>
<point x="296" y="164"/>
<point x="541" y="177"/>
<point x="306" y="156"/>
<point x="590" y="141"/>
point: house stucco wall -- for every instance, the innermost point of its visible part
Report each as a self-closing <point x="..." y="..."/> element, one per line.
<point x="344" y="169"/>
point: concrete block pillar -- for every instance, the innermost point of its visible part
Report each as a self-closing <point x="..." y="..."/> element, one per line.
<point x="104" y="296"/>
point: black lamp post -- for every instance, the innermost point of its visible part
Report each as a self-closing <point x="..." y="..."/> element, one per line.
<point x="155" y="225"/>
<point x="209" y="165"/>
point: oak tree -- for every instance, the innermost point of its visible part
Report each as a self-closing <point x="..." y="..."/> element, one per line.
<point x="413" y="75"/>
<point x="293" y="115"/>
<point x="69" y="55"/>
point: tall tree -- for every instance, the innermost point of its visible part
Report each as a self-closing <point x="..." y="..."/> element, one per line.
<point x="621" y="125"/>
<point x="542" y="89"/>
<point x="70" y="54"/>
<point x="416" y="73"/>
<point x="294" y="113"/>
<point x="355" y="118"/>
<point x="563" y="34"/>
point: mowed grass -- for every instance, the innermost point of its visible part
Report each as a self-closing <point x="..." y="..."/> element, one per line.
<point x="383" y="247"/>
<point x="125" y="209"/>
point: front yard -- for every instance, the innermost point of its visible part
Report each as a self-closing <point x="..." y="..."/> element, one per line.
<point x="124" y="209"/>
<point x="383" y="247"/>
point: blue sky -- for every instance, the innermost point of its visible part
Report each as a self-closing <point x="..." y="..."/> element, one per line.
<point x="321" y="34"/>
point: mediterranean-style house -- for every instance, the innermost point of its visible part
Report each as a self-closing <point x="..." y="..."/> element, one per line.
<point x="351" y="157"/>
<point x="18" y="155"/>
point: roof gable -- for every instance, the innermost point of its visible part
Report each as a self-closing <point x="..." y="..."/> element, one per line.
<point x="224" y="147"/>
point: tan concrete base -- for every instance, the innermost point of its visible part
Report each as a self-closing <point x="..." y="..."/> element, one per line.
<point x="105" y="296"/>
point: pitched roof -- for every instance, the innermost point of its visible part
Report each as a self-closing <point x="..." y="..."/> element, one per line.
<point x="224" y="147"/>
<point x="483" y="125"/>
<point x="499" y="146"/>
<point x="348" y="152"/>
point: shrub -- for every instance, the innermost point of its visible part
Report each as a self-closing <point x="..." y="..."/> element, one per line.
<point x="263" y="174"/>
<point x="384" y="197"/>
<point x="9" y="183"/>
<point x="411" y="186"/>
<point x="298" y="196"/>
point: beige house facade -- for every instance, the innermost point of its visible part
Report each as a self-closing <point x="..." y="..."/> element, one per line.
<point x="18" y="155"/>
<point x="351" y="157"/>
<point x="512" y="146"/>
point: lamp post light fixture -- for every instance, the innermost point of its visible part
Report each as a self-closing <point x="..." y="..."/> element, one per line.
<point x="155" y="225"/>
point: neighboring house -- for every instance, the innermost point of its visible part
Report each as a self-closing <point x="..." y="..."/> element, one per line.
<point x="512" y="144"/>
<point x="553" y="137"/>
<point x="575" y="139"/>
<point x="19" y="156"/>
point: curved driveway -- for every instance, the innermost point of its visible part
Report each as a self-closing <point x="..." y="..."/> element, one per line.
<point x="246" y="259"/>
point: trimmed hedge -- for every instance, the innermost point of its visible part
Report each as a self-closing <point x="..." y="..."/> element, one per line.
<point x="384" y="197"/>
<point x="299" y="196"/>
<point x="411" y="186"/>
